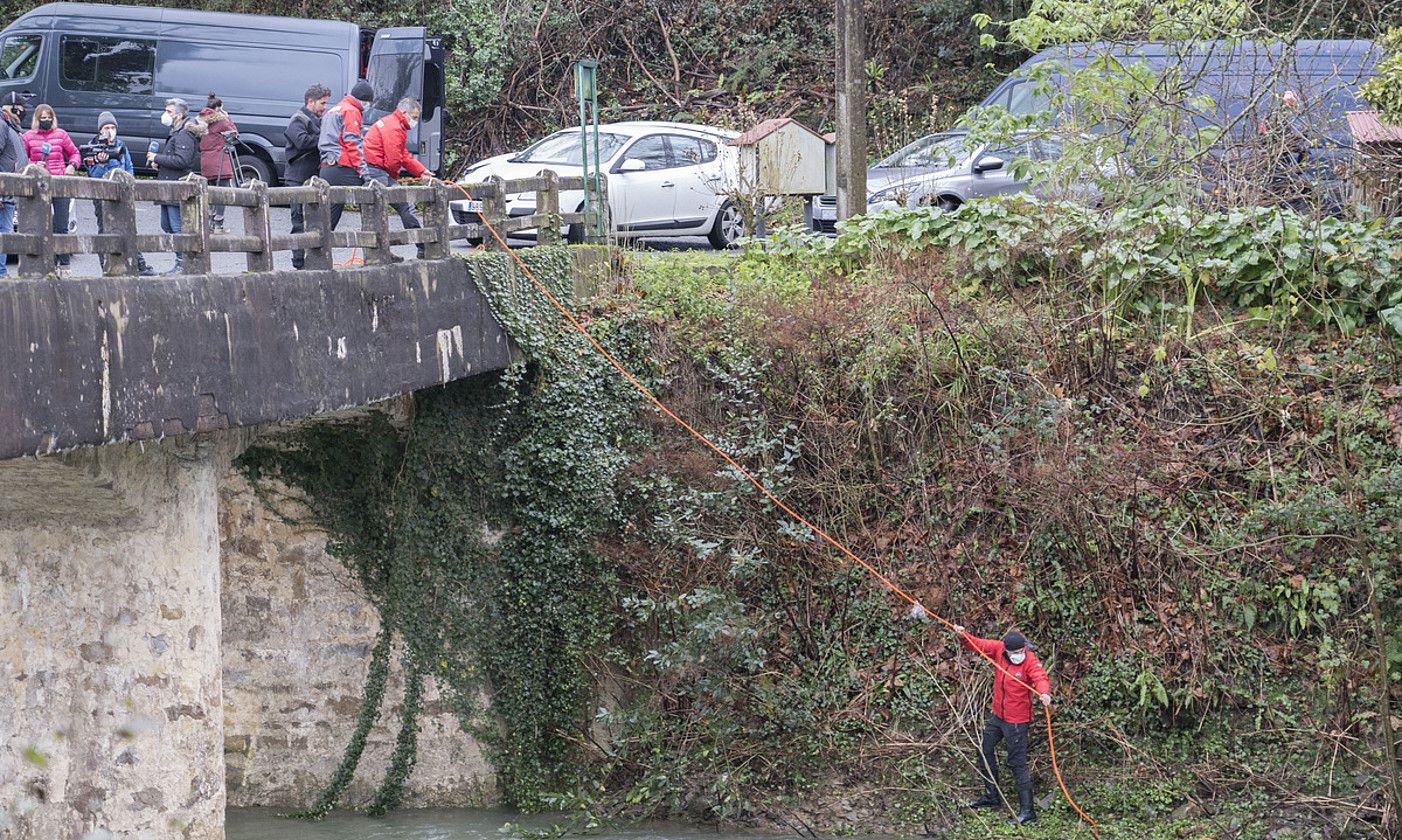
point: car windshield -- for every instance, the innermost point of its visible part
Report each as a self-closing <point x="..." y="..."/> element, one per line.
<point x="563" y="148"/>
<point x="936" y="150"/>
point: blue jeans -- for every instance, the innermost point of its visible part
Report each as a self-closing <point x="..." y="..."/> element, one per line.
<point x="170" y="223"/>
<point x="7" y="225"/>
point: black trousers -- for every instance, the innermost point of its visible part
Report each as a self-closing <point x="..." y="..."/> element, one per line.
<point x="1015" y="734"/>
<point x="340" y="176"/>
<point x="299" y="224"/>
<point x="61" y="208"/>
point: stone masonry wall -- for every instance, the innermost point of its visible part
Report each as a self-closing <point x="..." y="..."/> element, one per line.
<point x="109" y="643"/>
<point x="297" y="639"/>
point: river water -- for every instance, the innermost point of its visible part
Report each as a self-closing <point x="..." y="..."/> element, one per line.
<point x="438" y="824"/>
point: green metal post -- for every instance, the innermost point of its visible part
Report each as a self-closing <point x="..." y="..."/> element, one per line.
<point x="587" y="88"/>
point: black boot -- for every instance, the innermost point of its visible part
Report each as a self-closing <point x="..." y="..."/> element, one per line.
<point x="1025" y="814"/>
<point x="990" y="799"/>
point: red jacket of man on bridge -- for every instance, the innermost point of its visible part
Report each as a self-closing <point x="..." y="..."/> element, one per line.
<point x="386" y="146"/>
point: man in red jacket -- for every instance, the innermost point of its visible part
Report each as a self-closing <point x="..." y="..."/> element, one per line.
<point x="1017" y="668"/>
<point x="388" y="158"/>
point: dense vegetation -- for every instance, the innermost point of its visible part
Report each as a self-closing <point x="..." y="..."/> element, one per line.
<point x="1166" y="448"/>
<point x="722" y="61"/>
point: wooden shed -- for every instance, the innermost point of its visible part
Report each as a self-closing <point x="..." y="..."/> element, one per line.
<point x="782" y="157"/>
<point x="1375" y="175"/>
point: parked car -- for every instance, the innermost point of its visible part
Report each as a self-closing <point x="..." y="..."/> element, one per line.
<point x="943" y="170"/>
<point x="664" y="179"/>
<point x="86" y="58"/>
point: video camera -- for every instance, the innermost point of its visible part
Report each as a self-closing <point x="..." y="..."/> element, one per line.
<point x="90" y="151"/>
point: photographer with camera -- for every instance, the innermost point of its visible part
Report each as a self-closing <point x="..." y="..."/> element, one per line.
<point x="104" y="154"/>
<point x="217" y="152"/>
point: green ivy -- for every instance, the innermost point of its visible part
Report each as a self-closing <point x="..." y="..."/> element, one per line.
<point x="530" y="454"/>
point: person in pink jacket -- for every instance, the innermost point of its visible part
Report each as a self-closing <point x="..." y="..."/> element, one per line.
<point x="52" y="148"/>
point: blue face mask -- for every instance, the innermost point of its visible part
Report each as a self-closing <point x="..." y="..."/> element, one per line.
<point x="1017" y="656"/>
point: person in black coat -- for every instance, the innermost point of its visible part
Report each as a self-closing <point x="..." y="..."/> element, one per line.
<point x="303" y="160"/>
<point x="178" y="157"/>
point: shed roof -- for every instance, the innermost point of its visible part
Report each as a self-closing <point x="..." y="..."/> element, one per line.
<point x="768" y="127"/>
<point x="1367" y="128"/>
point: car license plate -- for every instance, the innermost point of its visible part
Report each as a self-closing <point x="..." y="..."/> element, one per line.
<point x="472" y="205"/>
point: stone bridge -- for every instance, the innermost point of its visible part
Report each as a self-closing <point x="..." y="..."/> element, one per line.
<point x="124" y="401"/>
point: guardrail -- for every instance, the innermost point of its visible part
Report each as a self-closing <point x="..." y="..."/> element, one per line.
<point x="36" y="243"/>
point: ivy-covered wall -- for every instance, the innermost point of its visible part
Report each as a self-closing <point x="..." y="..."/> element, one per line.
<point x="298" y="637"/>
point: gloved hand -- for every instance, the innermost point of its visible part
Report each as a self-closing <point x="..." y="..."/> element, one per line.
<point x="1046" y="699"/>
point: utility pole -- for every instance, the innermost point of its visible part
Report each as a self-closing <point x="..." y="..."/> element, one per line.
<point x="851" y="108"/>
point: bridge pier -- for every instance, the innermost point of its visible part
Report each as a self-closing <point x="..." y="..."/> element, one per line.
<point x="111" y="701"/>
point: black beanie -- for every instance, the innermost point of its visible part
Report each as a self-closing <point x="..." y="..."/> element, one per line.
<point x="1014" y="641"/>
<point x="363" y="91"/>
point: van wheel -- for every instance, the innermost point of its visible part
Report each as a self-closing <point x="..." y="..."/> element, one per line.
<point x="253" y="166"/>
<point x="947" y="203"/>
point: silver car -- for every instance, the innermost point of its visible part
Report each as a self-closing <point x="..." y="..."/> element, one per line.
<point x="941" y="170"/>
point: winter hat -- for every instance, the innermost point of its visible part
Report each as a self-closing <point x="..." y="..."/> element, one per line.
<point x="363" y="91"/>
<point x="105" y="119"/>
<point x="13" y="98"/>
<point x="1014" y="641"/>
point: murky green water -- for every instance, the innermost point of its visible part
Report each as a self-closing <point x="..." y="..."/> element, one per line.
<point x="436" y="824"/>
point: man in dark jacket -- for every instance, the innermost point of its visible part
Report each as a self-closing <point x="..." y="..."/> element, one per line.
<point x="303" y="158"/>
<point x="342" y="143"/>
<point x="177" y="158"/>
<point x="12" y="158"/>
<point x="1018" y="673"/>
<point x="387" y="154"/>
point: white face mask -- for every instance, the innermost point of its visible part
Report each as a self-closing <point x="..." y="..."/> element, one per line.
<point x="109" y="133"/>
<point x="167" y="119"/>
<point x="413" y="124"/>
<point x="1016" y="656"/>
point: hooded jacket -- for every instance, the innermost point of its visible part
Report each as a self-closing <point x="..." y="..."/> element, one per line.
<point x="216" y="164"/>
<point x="386" y="146"/>
<point x="342" y="142"/>
<point x="1011" y="701"/>
<point x="181" y="153"/>
<point x="61" y="150"/>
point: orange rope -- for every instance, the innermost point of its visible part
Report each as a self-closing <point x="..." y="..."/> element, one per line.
<point x="887" y="582"/>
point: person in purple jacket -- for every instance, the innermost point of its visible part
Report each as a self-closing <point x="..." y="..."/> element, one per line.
<point x="51" y="147"/>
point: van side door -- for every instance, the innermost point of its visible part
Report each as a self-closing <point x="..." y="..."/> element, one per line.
<point x="404" y="61"/>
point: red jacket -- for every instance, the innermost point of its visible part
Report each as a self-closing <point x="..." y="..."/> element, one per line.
<point x="1011" y="702"/>
<point x="385" y="146"/>
<point x="215" y="163"/>
<point x="341" y="142"/>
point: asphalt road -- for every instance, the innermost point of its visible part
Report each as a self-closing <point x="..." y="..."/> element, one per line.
<point x="148" y="221"/>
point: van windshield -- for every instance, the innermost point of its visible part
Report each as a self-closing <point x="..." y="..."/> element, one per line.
<point x="19" y="55"/>
<point x="563" y="148"/>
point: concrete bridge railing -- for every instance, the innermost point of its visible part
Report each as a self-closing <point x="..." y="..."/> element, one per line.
<point x="36" y="243"/>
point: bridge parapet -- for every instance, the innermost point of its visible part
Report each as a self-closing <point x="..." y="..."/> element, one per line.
<point x="36" y="243"/>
